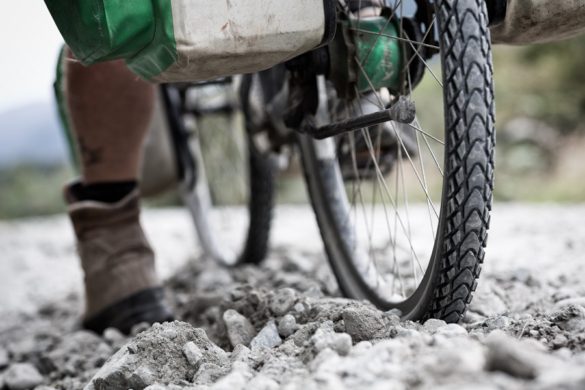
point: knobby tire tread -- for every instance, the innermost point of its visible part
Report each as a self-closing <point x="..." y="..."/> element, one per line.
<point x="469" y="109"/>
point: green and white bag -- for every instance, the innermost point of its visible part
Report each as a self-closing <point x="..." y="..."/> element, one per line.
<point x="190" y="40"/>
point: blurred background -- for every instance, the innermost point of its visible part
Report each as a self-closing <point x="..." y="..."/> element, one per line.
<point x="540" y="98"/>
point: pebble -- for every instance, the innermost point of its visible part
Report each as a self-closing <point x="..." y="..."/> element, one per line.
<point x="451" y="330"/>
<point x="22" y="376"/>
<point x="282" y="301"/>
<point x="570" y="318"/>
<point x="209" y="373"/>
<point x="579" y="301"/>
<point x="192" y="353"/>
<point x="287" y="325"/>
<point x="325" y="337"/>
<point x="508" y="355"/>
<point x="363" y="323"/>
<point x="431" y="325"/>
<point x="239" y="328"/>
<point x="4" y="359"/>
<point x="499" y="322"/>
<point x="267" y="338"/>
<point x="241" y="353"/>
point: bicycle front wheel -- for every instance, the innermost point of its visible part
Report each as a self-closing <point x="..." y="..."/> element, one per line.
<point x="403" y="210"/>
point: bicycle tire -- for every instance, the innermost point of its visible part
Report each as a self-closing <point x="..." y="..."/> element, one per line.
<point x="259" y="206"/>
<point x="458" y="250"/>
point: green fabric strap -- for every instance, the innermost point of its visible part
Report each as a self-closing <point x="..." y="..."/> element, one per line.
<point x="139" y="31"/>
<point x="162" y="51"/>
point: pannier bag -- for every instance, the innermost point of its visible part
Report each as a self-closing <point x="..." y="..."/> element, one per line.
<point x="191" y="40"/>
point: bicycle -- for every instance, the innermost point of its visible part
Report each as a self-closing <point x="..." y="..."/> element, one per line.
<point x="369" y="152"/>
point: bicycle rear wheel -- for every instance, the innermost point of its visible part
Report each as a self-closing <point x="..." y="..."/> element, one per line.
<point x="404" y="217"/>
<point x="230" y="194"/>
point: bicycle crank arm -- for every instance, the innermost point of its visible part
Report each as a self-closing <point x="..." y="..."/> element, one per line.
<point x="402" y="111"/>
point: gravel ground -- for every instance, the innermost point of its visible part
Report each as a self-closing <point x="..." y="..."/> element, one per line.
<point x="283" y="325"/>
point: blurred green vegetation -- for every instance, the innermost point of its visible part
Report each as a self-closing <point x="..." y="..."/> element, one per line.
<point x="545" y="82"/>
<point x="32" y="190"/>
<point x="540" y="105"/>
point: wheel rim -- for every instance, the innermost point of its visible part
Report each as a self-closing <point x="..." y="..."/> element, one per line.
<point x="222" y="191"/>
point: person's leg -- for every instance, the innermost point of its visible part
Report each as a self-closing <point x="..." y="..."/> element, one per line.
<point x="109" y="110"/>
<point x="538" y="21"/>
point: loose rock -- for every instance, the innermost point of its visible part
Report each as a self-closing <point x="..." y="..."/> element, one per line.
<point x="451" y="330"/>
<point x="325" y="337"/>
<point x="267" y="338"/>
<point x="22" y="376"/>
<point x="282" y="301"/>
<point x="4" y="359"/>
<point x="363" y="323"/>
<point x="431" y="325"/>
<point x="287" y="325"/>
<point x="192" y="353"/>
<point x="156" y="356"/>
<point x="239" y="328"/>
<point x="508" y="355"/>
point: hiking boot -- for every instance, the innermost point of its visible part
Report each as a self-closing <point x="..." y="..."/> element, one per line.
<point x="121" y="286"/>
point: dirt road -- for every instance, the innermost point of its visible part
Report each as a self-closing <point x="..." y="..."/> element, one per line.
<point x="283" y="325"/>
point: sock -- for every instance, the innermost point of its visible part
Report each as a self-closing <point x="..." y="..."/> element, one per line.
<point x="106" y="192"/>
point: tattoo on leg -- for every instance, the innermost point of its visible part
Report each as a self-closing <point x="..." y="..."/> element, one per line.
<point x="89" y="155"/>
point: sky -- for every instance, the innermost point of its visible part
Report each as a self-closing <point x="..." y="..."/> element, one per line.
<point x="29" y="46"/>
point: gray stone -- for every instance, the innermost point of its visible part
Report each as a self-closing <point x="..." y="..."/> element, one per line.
<point x="570" y="317"/>
<point x="300" y="308"/>
<point x="363" y="323"/>
<point x="22" y="376"/>
<point x="431" y="325"/>
<point x="282" y="301"/>
<point x="304" y="333"/>
<point x="241" y="353"/>
<point x="325" y="337"/>
<point x="451" y="330"/>
<point x="578" y="301"/>
<point x="508" y="355"/>
<point x="81" y="350"/>
<point x="209" y="373"/>
<point x="4" y="359"/>
<point x="192" y="353"/>
<point x="267" y="338"/>
<point x="239" y="328"/>
<point x="156" y="356"/>
<point x="499" y="322"/>
<point x="142" y="377"/>
<point x="287" y="325"/>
